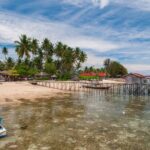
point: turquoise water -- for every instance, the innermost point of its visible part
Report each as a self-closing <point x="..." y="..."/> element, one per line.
<point x="80" y="121"/>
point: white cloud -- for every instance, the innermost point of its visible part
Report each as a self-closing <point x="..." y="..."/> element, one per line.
<point x="13" y="25"/>
<point x="92" y="43"/>
<point x="94" y="60"/>
<point x="143" y="5"/>
<point x="104" y="3"/>
<point x="137" y="4"/>
<point x="138" y="67"/>
<point x="101" y="3"/>
<point x="77" y="2"/>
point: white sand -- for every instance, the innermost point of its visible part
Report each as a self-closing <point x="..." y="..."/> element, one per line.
<point x="11" y="92"/>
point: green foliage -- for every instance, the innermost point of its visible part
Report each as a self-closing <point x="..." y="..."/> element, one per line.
<point x="115" y="69"/>
<point x="24" y="70"/>
<point x="89" y="77"/>
<point x="2" y="66"/>
<point x="50" y="68"/>
<point x="13" y="73"/>
<point x="9" y="63"/>
<point x="92" y="69"/>
<point x="34" y="57"/>
<point x="23" y="46"/>
<point x="32" y="71"/>
<point x="65" y="76"/>
<point x="41" y="78"/>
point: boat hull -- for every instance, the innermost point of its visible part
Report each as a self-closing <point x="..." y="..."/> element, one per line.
<point x="3" y="132"/>
<point x="96" y="87"/>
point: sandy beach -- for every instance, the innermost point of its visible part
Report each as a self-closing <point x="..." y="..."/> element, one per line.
<point x="12" y="92"/>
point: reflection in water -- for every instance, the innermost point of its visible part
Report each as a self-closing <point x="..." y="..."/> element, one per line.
<point x="83" y="121"/>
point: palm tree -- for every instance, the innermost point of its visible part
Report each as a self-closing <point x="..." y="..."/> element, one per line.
<point x="10" y="63"/>
<point x="23" y="46"/>
<point x="5" y="52"/>
<point x="77" y="52"/>
<point x="47" y="48"/>
<point x="83" y="57"/>
<point x="59" y="50"/>
<point x="107" y="63"/>
<point x="34" y="46"/>
<point x="38" y="61"/>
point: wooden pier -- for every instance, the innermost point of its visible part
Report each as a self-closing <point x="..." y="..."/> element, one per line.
<point x="126" y="89"/>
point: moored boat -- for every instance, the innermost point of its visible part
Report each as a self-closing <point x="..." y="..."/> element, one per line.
<point x="97" y="87"/>
<point x="3" y="131"/>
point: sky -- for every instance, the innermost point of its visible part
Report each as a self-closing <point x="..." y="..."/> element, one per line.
<point x="115" y="29"/>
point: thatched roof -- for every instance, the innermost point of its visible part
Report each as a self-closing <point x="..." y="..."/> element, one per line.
<point x="9" y="73"/>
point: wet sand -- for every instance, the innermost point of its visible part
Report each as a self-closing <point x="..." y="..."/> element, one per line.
<point x="13" y="92"/>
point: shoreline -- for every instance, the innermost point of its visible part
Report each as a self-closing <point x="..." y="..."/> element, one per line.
<point x="13" y="93"/>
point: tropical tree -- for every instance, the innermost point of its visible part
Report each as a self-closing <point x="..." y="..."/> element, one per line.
<point x="34" y="46"/>
<point x="9" y="63"/>
<point x="47" y="48"/>
<point x="82" y="57"/>
<point x="2" y="66"/>
<point x="34" y="57"/>
<point x="114" y="68"/>
<point x="5" y="52"/>
<point x="23" y="46"/>
<point x="107" y="63"/>
<point x="50" y="68"/>
<point x="59" y="50"/>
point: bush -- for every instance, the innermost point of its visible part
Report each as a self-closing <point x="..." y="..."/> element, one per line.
<point x="89" y="77"/>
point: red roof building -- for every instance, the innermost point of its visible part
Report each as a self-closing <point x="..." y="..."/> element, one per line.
<point x="93" y="74"/>
<point x="102" y="74"/>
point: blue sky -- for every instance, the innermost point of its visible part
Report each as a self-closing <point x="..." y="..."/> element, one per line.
<point x="116" y="29"/>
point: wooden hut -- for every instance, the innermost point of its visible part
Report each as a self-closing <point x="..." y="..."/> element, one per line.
<point x="8" y="75"/>
<point x="147" y="79"/>
<point x="135" y="78"/>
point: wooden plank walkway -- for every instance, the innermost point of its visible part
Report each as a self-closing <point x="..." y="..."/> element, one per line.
<point x="127" y="89"/>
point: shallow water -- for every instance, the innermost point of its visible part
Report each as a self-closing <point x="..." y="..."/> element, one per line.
<point x="81" y="121"/>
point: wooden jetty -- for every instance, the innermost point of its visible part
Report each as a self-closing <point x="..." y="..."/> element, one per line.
<point x="126" y="89"/>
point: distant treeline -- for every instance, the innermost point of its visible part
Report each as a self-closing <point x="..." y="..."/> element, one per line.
<point x="56" y="59"/>
<point x="111" y="68"/>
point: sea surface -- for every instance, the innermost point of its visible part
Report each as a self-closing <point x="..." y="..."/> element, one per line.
<point x="80" y="121"/>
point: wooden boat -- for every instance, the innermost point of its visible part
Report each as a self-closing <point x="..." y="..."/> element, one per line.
<point x="3" y="131"/>
<point x="33" y="83"/>
<point x="96" y="87"/>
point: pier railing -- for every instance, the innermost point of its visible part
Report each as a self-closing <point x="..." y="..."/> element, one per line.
<point x="127" y="89"/>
